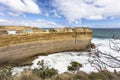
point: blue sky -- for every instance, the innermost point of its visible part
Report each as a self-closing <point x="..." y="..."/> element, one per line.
<point x="60" y="13"/>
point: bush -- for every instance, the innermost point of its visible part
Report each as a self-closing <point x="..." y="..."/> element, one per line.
<point x="74" y="66"/>
<point x="63" y="76"/>
<point x="68" y="76"/>
<point x="80" y="76"/>
<point x="27" y="75"/>
<point x="70" y="68"/>
<point x="109" y="75"/>
<point x="46" y="73"/>
<point x="6" y="74"/>
<point x="118" y="75"/>
<point x="97" y="76"/>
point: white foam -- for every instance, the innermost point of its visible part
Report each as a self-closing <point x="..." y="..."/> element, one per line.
<point x="60" y="61"/>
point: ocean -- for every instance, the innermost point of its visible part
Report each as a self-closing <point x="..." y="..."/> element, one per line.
<point x="60" y="61"/>
<point x="106" y="33"/>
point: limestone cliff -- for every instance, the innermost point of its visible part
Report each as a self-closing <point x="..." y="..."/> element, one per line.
<point x="16" y="49"/>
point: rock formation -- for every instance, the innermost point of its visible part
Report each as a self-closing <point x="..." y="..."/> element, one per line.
<point x="17" y="49"/>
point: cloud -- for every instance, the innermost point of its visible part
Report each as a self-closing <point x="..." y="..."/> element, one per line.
<point x="75" y="21"/>
<point x="3" y="20"/>
<point x="47" y="24"/>
<point x="96" y="17"/>
<point x="27" y="6"/>
<point x="88" y="9"/>
<point x="47" y="14"/>
<point x="33" y="23"/>
<point x="55" y="13"/>
<point x="13" y="14"/>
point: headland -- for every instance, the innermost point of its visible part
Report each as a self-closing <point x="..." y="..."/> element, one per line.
<point x="20" y="47"/>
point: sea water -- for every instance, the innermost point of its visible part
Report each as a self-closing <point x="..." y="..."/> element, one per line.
<point x="106" y="33"/>
<point x="60" y="61"/>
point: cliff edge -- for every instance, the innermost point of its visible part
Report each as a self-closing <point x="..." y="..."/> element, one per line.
<point x="21" y="49"/>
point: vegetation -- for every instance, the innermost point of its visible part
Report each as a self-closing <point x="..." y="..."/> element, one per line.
<point x="80" y="76"/>
<point x="27" y="75"/>
<point x="45" y="73"/>
<point x="52" y="74"/>
<point x="103" y="75"/>
<point x="74" y="66"/>
<point x="6" y="74"/>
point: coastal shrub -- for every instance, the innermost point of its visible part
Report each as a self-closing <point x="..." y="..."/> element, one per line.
<point x="118" y="75"/>
<point x="27" y="75"/>
<point x="45" y="73"/>
<point x="109" y="75"/>
<point x="6" y="73"/>
<point x="63" y="76"/>
<point x="97" y="76"/>
<point x="56" y="77"/>
<point x="70" y="68"/>
<point x="80" y="76"/>
<point x="69" y="76"/>
<point x="74" y="66"/>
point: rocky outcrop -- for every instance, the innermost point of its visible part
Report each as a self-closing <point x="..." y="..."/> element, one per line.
<point x="17" y="49"/>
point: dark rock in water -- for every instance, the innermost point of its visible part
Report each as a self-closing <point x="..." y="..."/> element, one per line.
<point x="92" y="45"/>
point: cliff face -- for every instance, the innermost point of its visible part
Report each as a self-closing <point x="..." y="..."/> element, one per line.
<point x="16" y="49"/>
<point x="14" y="28"/>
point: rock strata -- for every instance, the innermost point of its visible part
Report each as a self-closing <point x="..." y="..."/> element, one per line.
<point x="21" y="48"/>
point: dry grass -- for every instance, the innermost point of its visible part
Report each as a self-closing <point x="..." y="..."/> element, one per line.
<point x="80" y="76"/>
<point x="27" y="75"/>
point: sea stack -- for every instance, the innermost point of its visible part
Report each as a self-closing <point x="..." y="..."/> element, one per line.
<point x="19" y="49"/>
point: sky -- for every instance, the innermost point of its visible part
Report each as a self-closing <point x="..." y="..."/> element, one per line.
<point x="61" y="13"/>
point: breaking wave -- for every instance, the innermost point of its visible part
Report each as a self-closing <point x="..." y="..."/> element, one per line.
<point x="61" y="60"/>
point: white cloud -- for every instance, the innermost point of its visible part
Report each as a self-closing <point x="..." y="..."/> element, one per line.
<point x="28" y="6"/>
<point x="56" y="14"/>
<point x="3" y="20"/>
<point x="13" y="14"/>
<point x="75" y="21"/>
<point x="47" y="14"/>
<point x="96" y="17"/>
<point x="36" y="23"/>
<point x="88" y="9"/>
<point x="47" y="24"/>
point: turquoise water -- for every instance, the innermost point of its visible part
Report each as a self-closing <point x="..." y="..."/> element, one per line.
<point x="106" y="32"/>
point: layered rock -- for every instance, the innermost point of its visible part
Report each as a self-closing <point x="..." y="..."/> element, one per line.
<point x="17" y="49"/>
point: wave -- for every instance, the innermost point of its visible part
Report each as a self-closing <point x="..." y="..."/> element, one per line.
<point x="61" y="60"/>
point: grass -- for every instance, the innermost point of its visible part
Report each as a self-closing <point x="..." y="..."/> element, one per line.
<point x="51" y="74"/>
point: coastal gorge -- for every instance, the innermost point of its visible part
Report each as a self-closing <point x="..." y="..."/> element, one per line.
<point x="23" y="47"/>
